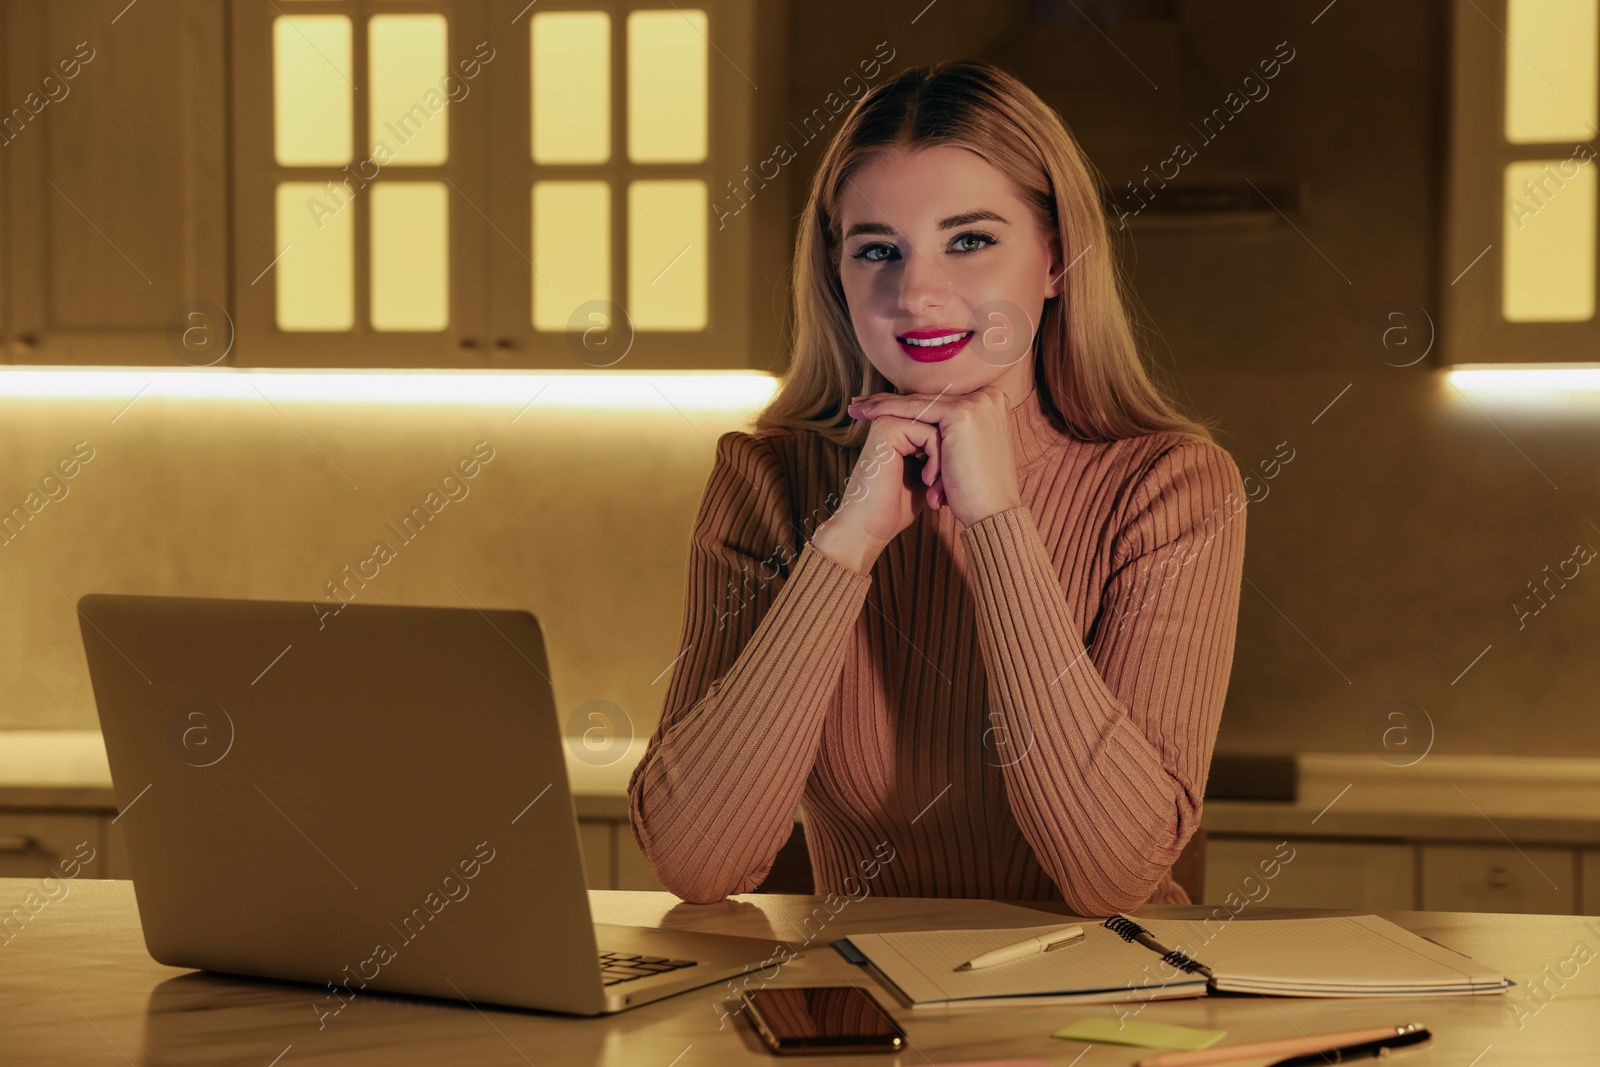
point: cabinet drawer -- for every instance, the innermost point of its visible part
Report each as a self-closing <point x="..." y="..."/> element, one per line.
<point x="34" y="844"/>
<point x="1317" y="874"/>
<point x="1499" y="878"/>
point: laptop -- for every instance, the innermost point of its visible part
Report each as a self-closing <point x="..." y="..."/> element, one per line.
<point x="373" y="797"/>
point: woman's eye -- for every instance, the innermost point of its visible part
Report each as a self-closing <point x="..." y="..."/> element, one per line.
<point x="958" y="245"/>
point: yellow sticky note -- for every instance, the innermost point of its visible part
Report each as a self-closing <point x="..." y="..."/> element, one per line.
<point x="1145" y="1035"/>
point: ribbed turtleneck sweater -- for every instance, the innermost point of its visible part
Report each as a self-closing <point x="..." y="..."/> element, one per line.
<point x="1022" y="709"/>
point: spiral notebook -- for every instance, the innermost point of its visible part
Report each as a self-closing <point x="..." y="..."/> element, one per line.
<point x="1150" y="959"/>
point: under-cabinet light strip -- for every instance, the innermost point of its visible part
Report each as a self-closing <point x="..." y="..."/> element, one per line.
<point x="575" y="389"/>
<point x="1526" y="377"/>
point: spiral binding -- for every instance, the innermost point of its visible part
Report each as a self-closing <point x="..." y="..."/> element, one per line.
<point x="1125" y="928"/>
<point x="1129" y="930"/>
<point x="1181" y="962"/>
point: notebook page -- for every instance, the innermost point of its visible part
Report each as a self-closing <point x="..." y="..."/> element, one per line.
<point x="920" y="963"/>
<point x="1358" y="953"/>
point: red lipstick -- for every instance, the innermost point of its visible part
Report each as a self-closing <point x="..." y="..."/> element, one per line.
<point x="956" y="340"/>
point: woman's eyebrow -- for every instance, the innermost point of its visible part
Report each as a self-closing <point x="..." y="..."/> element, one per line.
<point x="964" y="219"/>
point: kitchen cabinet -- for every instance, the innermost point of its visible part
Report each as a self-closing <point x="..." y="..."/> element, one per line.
<point x="1509" y="154"/>
<point x="633" y="870"/>
<point x="623" y="865"/>
<point x="1589" y="881"/>
<point x="1372" y="876"/>
<point x="1499" y="878"/>
<point x="40" y="844"/>
<point x="161" y="212"/>
<point x="1394" y="854"/>
<point x="115" y="179"/>
<point x="116" y="850"/>
<point x="1428" y="875"/>
<point x="595" y="839"/>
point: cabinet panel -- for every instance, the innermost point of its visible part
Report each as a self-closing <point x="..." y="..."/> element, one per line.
<point x="448" y="115"/>
<point x="1589" y="882"/>
<point x="1372" y="876"/>
<point x="116" y="850"/>
<point x="1474" y="325"/>
<point x="1499" y="878"/>
<point x="117" y="199"/>
<point x="746" y="239"/>
<point x="633" y="870"/>
<point x="594" y="836"/>
<point x="36" y="844"/>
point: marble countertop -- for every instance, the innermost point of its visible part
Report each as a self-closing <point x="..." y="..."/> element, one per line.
<point x="1526" y="799"/>
<point x="107" y="993"/>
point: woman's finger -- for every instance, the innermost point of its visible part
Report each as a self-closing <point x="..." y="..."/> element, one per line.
<point x="925" y="435"/>
<point x="911" y="437"/>
<point x="930" y="469"/>
<point x="935" y="408"/>
<point x="914" y="407"/>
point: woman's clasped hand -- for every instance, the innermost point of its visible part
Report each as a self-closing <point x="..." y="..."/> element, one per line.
<point x="933" y="451"/>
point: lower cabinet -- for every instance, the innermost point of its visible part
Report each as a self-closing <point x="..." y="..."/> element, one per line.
<point x="1310" y="873"/>
<point x="612" y="857"/>
<point x="116" y="851"/>
<point x="54" y="844"/>
<point x="1542" y="881"/>
<point x="1403" y="875"/>
<point x="1589" y="881"/>
<point x="633" y="870"/>
<point x="594" y="838"/>
<point x="87" y="844"/>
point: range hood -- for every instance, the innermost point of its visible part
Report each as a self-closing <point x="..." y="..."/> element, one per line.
<point x="1168" y="129"/>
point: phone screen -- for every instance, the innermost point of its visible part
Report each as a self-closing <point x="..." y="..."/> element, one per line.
<point x="822" y="1018"/>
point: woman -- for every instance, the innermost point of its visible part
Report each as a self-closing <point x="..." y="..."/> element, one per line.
<point x="996" y="669"/>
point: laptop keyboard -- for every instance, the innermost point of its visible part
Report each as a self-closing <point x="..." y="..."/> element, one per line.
<point x="625" y="966"/>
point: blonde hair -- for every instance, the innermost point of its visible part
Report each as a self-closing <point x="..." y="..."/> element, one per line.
<point x="1089" y="376"/>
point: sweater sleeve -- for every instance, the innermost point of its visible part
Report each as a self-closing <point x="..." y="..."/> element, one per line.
<point x="762" y="651"/>
<point x="1105" y="752"/>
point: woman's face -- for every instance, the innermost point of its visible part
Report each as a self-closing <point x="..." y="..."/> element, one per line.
<point x="937" y="246"/>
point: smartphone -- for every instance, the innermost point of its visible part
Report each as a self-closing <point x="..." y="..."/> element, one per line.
<point x="820" y="1019"/>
